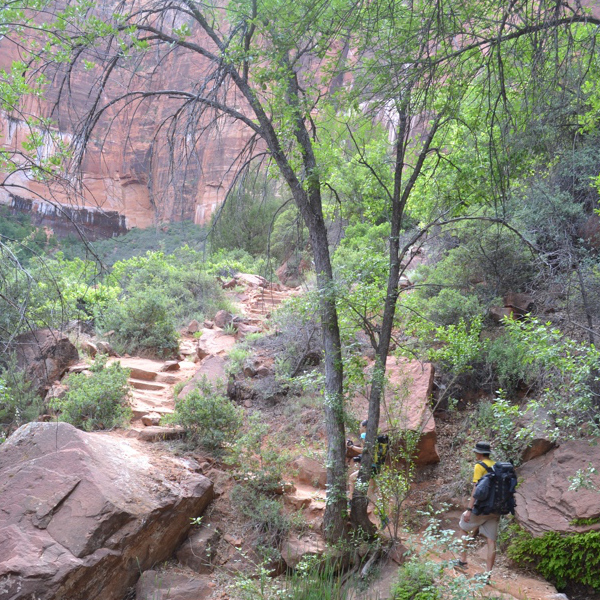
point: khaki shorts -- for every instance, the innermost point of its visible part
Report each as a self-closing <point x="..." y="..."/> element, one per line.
<point x="488" y="525"/>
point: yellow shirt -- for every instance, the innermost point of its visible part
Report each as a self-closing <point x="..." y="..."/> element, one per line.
<point x="479" y="471"/>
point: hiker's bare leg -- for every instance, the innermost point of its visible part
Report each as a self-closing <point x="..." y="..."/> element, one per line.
<point x="352" y="481"/>
<point x="491" y="554"/>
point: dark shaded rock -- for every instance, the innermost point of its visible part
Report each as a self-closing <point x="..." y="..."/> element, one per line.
<point x="45" y="355"/>
<point x="200" y="549"/>
<point x="519" y="303"/>
<point x="106" y="348"/>
<point x="498" y="313"/>
<point x="167" y="585"/>
<point x="156" y="433"/>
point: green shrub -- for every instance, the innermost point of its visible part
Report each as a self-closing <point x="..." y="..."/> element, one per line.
<point x="136" y="242"/>
<point x="415" y="582"/>
<point x="237" y="359"/>
<point x="209" y="418"/>
<point x="562" y="559"/>
<point x="508" y="361"/>
<point x="263" y="514"/>
<point x="182" y="278"/>
<point x="142" y="323"/>
<point x="257" y="457"/>
<point x="226" y="263"/>
<point x="318" y="579"/>
<point x="451" y="306"/>
<point x="19" y="404"/>
<point x="98" y="401"/>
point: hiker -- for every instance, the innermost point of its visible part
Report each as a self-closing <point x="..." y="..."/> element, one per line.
<point x="353" y="450"/>
<point x="379" y="456"/>
<point x="487" y="524"/>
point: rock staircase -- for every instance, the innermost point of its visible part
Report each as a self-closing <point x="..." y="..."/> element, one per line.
<point x="259" y="302"/>
<point x="152" y="387"/>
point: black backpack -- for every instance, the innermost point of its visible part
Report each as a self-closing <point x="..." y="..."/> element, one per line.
<point x="495" y="491"/>
<point x="379" y="454"/>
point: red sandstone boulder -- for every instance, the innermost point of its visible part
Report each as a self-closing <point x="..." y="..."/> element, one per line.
<point x="223" y="318"/>
<point x="310" y="472"/>
<point x="214" y="341"/>
<point x="294" y="549"/>
<point x="193" y="327"/>
<point x="45" y="355"/>
<point x="251" y="280"/>
<point x="406" y="406"/>
<point x="544" y="501"/>
<point x="212" y="367"/>
<point x="83" y="513"/>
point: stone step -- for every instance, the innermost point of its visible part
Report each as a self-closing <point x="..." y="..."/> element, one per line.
<point x="143" y="374"/>
<point x="166" y="378"/>
<point x="141" y="384"/>
<point x="140" y="409"/>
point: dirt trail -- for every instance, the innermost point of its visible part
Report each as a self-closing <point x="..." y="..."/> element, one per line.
<point x="153" y="383"/>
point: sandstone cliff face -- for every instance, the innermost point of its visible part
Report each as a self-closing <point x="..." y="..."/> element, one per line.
<point x="130" y="176"/>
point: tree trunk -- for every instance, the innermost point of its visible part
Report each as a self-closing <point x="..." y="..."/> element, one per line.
<point x="335" y="509"/>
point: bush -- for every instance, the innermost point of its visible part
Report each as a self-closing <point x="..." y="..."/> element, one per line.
<point x="99" y="401"/>
<point x="450" y="307"/>
<point x="507" y="358"/>
<point x="209" y="418"/>
<point x="415" y="582"/>
<point x="226" y="263"/>
<point x="142" y="323"/>
<point x="136" y="242"/>
<point x="182" y="278"/>
<point x="562" y="559"/>
<point x="19" y="404"/>
<point x="257" y="457"/>
<point x="263" y="514"/>
<point x="318" y="579"/>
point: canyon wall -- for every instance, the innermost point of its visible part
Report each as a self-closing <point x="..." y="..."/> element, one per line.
<point x="131" y="175"/>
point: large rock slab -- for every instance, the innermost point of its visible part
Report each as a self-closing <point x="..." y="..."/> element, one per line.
<point x="213" y="368"/>
<point x="544" y="502"/>
<point x="83" y="513"/>
<point x="214" y="341"/>
<point x="45" y="355"/>
<point x="407" y="405"/>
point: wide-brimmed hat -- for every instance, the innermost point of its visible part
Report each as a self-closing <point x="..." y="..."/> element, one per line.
<point x="482" y="448"/>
